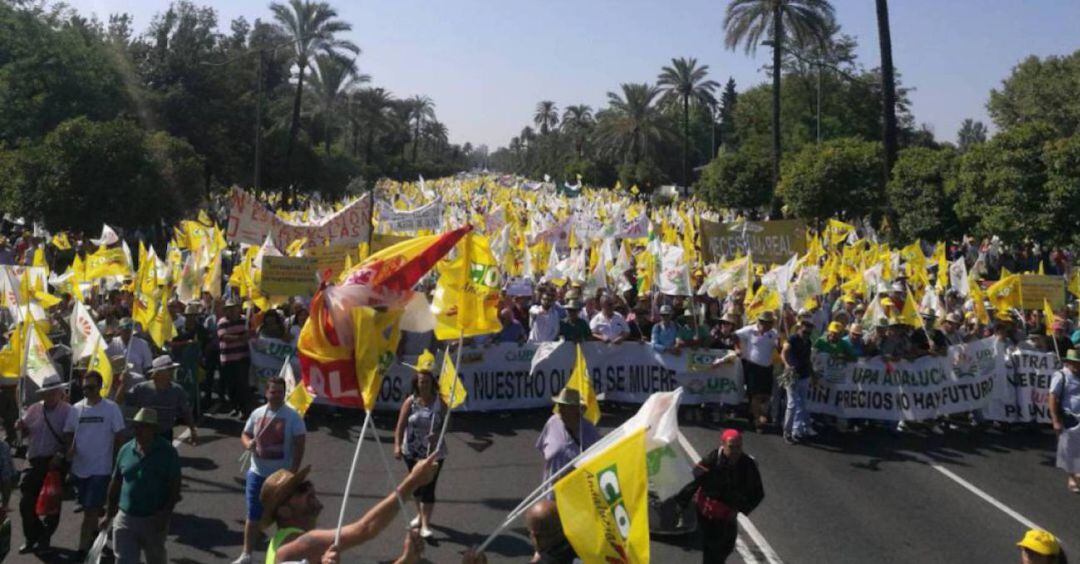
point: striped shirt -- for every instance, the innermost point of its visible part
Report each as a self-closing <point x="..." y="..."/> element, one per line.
<point x="232" y="351"/>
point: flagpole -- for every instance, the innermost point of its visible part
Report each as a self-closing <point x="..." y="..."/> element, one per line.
<point x="442" y="366"/>
<point x="348" y="482"/>
<point x="389" y="473"/>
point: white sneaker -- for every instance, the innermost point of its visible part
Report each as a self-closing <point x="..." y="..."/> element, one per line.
<point x="415" y="522"/>
<point x="936" y="429"/>
<point x="244" y="558"/>
<point x="425" y="533"/>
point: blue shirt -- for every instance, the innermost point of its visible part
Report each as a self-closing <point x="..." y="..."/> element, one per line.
<point x="664" y="335"/>
<point x="274" y="433"/>
<point x="1066" y="386"/>
<point x="858" y="348"/>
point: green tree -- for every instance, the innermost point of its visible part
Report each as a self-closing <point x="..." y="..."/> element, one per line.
<point x="729" y="100"/>
<point x="632" y="123"/>
<point x="1001" y="185"/>
<point x="421" y="110"/>
<point x="838" y="177"/>
<point x="800" y="21"/>
<point x="546" y="116"/>
<point x="1062" y="158"/>
<point x="921" y="193"/>
<point x="333" y="76"/>
<point x="51" y="71"/>
<point x="971" y="133"/>
<point x="113" y="168"/>
<point x="737" y="179"/>
<point x="683" y="83"/>
<point x="1040" y="90"/>
<point x="312" y="28"/>
<point x="577" y="122"/>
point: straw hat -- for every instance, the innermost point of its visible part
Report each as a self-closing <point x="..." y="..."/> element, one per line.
<point x="276" y="490"/>
<point x="52" y="382"/>
<point x="162" y="362"/>
<point x="146" y="416"/>
<point x="568" y="396"/>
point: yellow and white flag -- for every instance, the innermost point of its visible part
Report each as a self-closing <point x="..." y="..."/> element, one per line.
<point x="466" y="299"/>
<point x="375" y="340"/>
<point x="451" y="388"/>
<point x="603" y="504"/>
<point x="580" y="381"/>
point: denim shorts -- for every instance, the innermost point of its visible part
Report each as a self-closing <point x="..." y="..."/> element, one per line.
<point x="252" y="488"/>
<point x="92" y="490"/>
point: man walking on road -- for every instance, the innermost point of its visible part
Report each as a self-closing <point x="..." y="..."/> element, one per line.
<point x="91" y="429"/>
<point x="797" y="362"/>
<point x="166" y="397"/>
<point x="275" y="434"/>
<point x="145" y="488"/>
<point x="726" y="483"/>
<point x="44" y="423"/>
<point x="1064" y="409"/>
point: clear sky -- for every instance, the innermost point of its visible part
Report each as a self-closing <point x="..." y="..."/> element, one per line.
<point x="486" y="63"/>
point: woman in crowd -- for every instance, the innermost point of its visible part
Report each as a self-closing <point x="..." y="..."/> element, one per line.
<point x="418" y="426"/>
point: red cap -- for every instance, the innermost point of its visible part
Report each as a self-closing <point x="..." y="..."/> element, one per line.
<point x="729" y="434"/>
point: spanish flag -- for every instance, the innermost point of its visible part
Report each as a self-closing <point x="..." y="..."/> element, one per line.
<point x="603" y="504"/>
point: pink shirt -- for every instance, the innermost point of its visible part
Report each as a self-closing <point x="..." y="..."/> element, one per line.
<point x="43" y="442"/>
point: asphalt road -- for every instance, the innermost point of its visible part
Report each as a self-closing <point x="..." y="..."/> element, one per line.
<point x="868" y="497"/>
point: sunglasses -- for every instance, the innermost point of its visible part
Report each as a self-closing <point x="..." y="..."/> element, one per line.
<point x="91" y="386"/>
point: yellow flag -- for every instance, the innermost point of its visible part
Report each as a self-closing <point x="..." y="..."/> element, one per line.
<point x="375" y="340"/>
<point x="466" y="299"/>
<point x="765" y="299"/>
<point x="1048" y="313"/>
<point x="977" y="299"/>
<point x="99" y="361"/>
<point x="603" y="504"/>
<point x="1074" y="283"/>
<point x="39" y="257"/>
<point x="106" y="262"/>
<point x="909" y="315"/>
<point x="1005" y="293"/>
<point x="580" y="381"/>
<point x="451" y="389"/>
<point x="60" y="241"/>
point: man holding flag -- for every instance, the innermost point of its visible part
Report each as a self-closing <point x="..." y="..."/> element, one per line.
<point x="568" y="431"/>
<point x="275" y="435"/>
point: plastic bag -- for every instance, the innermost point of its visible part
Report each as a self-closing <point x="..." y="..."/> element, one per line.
<point x="48" y="501"/>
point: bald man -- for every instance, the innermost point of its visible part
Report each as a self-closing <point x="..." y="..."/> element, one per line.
<point x="546" y="534"/>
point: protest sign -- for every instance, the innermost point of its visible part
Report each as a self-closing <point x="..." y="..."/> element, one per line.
<point x="289" y="276"/>
<point x="332" y="258"/>
<point x="512" y="376"/>
<point x="426" y="217"/>
<point x="766" y="241"/>
<point x="250" y="222"/>
<point x="267" y="357"/>
<point x="1034" y="288"/>
<point x="912" y="390"/>
<point x="1022" y="397"/>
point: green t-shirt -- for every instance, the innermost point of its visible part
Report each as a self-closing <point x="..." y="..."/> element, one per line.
<point x="145" y="487"/>
<point x="839" y="348"/>
<point x="575" y="330"/>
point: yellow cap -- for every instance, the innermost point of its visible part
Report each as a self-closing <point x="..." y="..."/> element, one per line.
<point x="1040" y="542"/>
<point x="426" y="362"/>
<point x="836" y="327"/>
<point x="887" y="302"/>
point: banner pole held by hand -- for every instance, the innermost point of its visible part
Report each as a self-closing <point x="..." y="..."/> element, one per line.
<point x="348" y="482"/>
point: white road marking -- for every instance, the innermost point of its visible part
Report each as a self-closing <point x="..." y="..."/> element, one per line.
<point x="973" y="489"/>
<point x="759" y="539"/>
<point x="745" y="553"/>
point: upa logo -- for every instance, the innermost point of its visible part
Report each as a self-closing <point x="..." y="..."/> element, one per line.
<point x="608" y="479"/>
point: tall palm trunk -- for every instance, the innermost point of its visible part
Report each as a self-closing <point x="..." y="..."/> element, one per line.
<point x="294" y="130"/>
<point x="415" y="139"/>
<point x="326" y="131"/>
<point x="778" y="37"/>
<point x="685" y="139"/>
<point x="888" y="87"/>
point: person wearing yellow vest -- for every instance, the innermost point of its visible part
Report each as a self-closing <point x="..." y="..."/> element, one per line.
<point x="290" y="503"/>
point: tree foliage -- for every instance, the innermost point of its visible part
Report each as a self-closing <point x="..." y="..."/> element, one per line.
<point x="737" y="179"/>
<point x="921" y="194"/>
<point x="1040" y="90"/>
<point x="841" y="177"/>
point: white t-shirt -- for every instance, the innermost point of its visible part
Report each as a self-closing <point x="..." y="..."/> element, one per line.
<point x="757" y="347"/>
<point x="543" y="325"/>
<point x="95" y="427"/>
<point x="610" y="328"/>
<point x="137" y="353"/>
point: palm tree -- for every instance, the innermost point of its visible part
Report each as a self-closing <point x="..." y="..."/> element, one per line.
<point x="684" y="82"/>
<point x="546" y="116"/>
<point x="888" y="87"/>
<point x="438" y="134"/>
<point x="333" y="76"/>
<point x="374" y="107"/>
<point x="311" y="27"/>
<point x="577" y="120"/>
<point x="421" y="110"/>
<point x="515" y="148"/>
<point x="631" y="121"/>
<point x="748" y="21"/>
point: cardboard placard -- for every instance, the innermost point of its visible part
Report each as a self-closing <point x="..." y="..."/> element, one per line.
<point x="769" y="241"/>
<point x="1034" y="288"/>
<point x="289" y="276"/>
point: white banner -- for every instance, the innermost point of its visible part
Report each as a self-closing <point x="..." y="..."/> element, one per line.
<point x="912" y="390"/>
<point x="512" y="376"/>
<point x="250" y="222"/>
<point x="1023" y="395"/>
<point x="428" y="216"/>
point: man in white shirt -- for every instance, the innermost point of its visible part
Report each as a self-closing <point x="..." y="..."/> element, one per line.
<point x="91" y="429"/>
<point x="608" y="325"/>
<point x="544" y="321"/>
<point x="758" y="344"/>
<point x="132" y="347"/>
